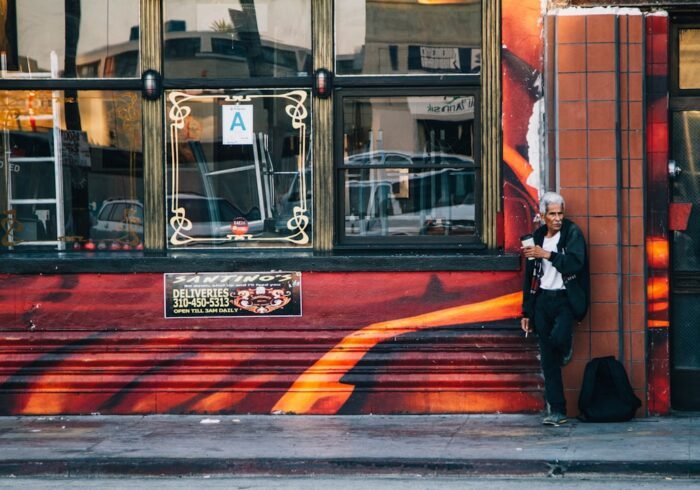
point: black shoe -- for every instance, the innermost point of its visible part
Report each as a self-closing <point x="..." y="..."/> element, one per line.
<point x="556" y="419"/>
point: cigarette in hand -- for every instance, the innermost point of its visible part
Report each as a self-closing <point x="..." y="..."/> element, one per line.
<point x="526" y="333"/>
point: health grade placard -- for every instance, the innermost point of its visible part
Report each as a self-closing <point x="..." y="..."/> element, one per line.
<point x="214" y="294"/>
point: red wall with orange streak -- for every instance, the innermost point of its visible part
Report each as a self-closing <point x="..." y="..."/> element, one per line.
<point x="367" y="342"/>
<point x="522" y="70"/>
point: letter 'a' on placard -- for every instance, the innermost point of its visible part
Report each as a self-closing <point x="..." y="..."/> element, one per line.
<point x="237" y="124"/>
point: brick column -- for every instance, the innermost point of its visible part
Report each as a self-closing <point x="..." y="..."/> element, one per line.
<point x="597" y="126"/>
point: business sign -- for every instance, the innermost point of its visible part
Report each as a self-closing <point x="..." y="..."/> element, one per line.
<point x="441" y="59"/>
<point x="237" y="124"/>
<point x="75" y="150"/>
<point x="225" y="294"/>
<point x="448" y="107"/>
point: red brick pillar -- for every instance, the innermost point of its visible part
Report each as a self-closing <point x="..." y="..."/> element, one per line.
<point x="596" y="127"/>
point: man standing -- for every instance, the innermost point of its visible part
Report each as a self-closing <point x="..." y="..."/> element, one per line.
<point x="555" y="293"/>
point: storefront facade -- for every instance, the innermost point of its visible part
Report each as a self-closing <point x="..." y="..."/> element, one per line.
<point x="314" y="207"/>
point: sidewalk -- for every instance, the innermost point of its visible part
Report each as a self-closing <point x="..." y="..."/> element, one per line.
<point x="302" y="445"/>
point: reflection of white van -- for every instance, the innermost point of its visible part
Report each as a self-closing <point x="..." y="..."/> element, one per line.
<point x="118" y="219"/>
<point x="432" y="202"/>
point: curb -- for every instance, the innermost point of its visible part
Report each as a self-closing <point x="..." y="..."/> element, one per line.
<point x="308" y="467"/>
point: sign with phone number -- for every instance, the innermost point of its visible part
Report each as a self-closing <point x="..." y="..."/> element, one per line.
<point x="219" y="294"/>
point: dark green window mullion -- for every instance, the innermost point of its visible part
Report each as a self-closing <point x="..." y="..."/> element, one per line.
<point x="322" y="127"/>
<point x="153" y="126"/>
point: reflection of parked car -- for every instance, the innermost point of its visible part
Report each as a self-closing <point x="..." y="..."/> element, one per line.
<point x="212" y="217"/>
<point x="397" y="158"/>
<point x="436" y="202"/>
<point x="118" y="219"/>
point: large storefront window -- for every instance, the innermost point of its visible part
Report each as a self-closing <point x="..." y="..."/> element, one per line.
<point x="689" y="58"/>
<point x="77" y="39"/>
<point x="380" y="37"/>
<point x="71" y="170"/>
<point x="237" y="38"/>
<point x="409" y="169"/>
<point x="407" y="160"/>
<point x="228" y="144"/>
<point x="239" y="171"/>
<point x="71" y="166"/>
<point x="238" y="160"/>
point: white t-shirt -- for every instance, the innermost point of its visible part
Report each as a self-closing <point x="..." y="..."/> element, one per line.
<point x="551" y="277"/>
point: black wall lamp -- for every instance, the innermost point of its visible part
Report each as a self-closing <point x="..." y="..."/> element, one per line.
<point x="323" y="83"/>
<point x="152" y="85"/>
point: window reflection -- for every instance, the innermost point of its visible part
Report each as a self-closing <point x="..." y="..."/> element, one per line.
<point x="409" y="166"/>
<point x="80" y="39"/>
<point x="408" y="37"/>
<point x="72" y="170"/>
<point x="239" y="169"/>
<point x="406" y="202"/>
<point x="689" y="59"/>
<point x="685" y="141"/>
<point x="237" y="38"/>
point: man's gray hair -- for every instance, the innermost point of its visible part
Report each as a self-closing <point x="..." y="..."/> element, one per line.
<point x="550" y="198"/>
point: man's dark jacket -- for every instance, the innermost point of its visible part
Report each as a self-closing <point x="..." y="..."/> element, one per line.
<point x="570" y="260"/>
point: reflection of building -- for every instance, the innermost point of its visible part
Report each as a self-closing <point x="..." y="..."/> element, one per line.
<point x="404" y="38"/>
<point x="411" y="186"/>
<point x="205" y="54"/>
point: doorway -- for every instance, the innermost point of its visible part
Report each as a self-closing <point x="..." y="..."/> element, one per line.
<point x="684" y="170"/>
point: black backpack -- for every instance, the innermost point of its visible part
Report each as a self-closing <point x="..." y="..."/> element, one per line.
<point x="606" y="393"/>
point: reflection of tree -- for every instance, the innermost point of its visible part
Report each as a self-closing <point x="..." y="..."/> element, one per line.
<point x="8" y="32"/>
<point x="245" y="28"/>
<point x="221" y="26"/>
<point x="79" y="191"/>
<point x="128" y="114"/>
<point x="72" y="21"/>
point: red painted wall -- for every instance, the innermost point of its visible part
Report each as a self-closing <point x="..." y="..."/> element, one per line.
<point x="366" y="342"/>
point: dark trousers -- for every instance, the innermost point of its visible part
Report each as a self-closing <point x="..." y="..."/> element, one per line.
<point x="554" y="322"/>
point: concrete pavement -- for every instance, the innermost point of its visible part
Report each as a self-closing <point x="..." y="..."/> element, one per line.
<point x="372" y="444"/>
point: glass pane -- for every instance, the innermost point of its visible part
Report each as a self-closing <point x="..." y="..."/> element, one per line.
<point x="685" y="142"/>
<point x="689" y="59"/>
<point x="79" y="39"/>
<point x="402" y="201"/>
<point x="409" y="130"/>
<point x="409" y="37"/>
<point x="410" y="166"/>
<point x="239" y="172"/>
<point x="237" y="38"/>
<point x="74" y="170"/>
<point x="34" y="180"/>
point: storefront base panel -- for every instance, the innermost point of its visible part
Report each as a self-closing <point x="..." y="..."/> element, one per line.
<point x="447" y="370"/>
<point x="232" y="403"/>
<point x="365" y="343"/>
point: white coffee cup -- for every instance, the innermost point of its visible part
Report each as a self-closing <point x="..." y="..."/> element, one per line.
<point x="528" y="241"/>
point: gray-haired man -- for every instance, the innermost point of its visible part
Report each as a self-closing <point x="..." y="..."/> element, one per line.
<point x="555" y="294"/>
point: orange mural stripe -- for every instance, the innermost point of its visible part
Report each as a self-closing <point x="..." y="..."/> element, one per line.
<point x="657" y="306"/>
<point x="521" y="167"/>
<point x="657" y="289"/>
<point x="320" y="384"/>
<point x="657" y="252"/>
